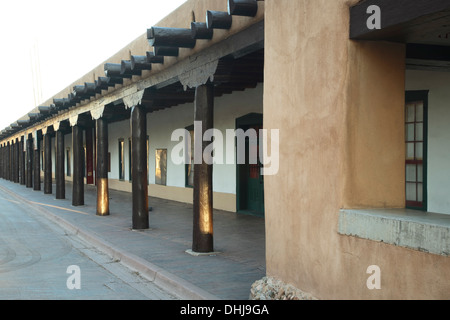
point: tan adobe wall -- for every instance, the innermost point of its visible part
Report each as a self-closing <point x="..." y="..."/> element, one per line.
<point x="338" y="105"/>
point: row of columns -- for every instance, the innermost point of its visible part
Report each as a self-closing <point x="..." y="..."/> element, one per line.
<point x="19" y="165"/>
<point x="16" y="159"/>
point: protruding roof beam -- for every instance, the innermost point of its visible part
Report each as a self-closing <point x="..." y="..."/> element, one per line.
<point x="59" y="103"/>
<point x="34" y="116"/>
<point x="126" y="69"/>
<point x="105" y="82"/>
<point x="152" y="58"/>
<point x="15" y="125"/>
<point x="45" y="109"/>
<point x="166" y="51"/>
<point x="247" y="8"/>
<point x="89" y="89"/>
<point x="78" y="93"/>
<point x="218" y="20"/>
<point x="140" y="63"/>
<point x="199" y="30"/>
<point x="23" y="122"/>
<point x="114" y="70"/>
<point x="170" y="37"/>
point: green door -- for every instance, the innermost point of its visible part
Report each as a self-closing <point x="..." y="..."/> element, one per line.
<point x="255" y="182"/>
<point x="250" y="182"/>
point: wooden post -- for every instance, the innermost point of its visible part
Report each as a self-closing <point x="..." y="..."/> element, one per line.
<point x="47" y="164"/>
<point x="139" y="167"/>
<point x="9" y="159"/>
<point x="59" y="172"/>
<point x="1" y="161"/>
<point x="37" y="165"/>
<point x="16" y="161"/>
<point x="78" y="180"/>
<point x="29" y="182"/>
<point x="102" y="167"/>
<point x="21" y="162"/>
<point x="203" y="190"/>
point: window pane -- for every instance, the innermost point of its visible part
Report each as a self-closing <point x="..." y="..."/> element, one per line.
<point x="411" y="172"/>
<point x="420" y="173"/>
<point x="410" y="151"/>
<point x="419" y="132"/>
<point x="419" y="111"/>
<point x="419" y="150"/>
<point x="410" y="191"/>
<point x="419" y="192"/>
<point x="410" y="132"/>
<point x="410" y="112"/>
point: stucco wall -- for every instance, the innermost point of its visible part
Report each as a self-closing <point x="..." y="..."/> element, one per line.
<point x="329" y="97"/>
<point x="438" y="84"/>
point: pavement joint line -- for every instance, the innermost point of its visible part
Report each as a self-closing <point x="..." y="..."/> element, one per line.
<point x="178" y="286"/>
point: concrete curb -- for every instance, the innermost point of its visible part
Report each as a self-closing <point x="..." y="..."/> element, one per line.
<point x="166" y="280"/>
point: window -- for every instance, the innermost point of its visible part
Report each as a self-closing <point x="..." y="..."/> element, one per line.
<point x="121" y="160"/>
<point x="416" y="149"/>
<point x="161" y="166"/>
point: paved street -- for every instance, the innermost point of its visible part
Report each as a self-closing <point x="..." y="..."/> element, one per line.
<point x="35" y="255"/>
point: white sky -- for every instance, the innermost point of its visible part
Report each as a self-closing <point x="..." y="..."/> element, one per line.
<point x="73" y="38"/>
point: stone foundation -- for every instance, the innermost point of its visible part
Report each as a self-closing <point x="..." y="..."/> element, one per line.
<point x="269" y="288"/>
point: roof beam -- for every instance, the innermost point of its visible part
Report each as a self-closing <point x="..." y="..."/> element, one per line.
<point x="170" y="37"/>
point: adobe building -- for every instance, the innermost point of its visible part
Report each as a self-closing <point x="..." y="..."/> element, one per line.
<point x="358" y="91"/>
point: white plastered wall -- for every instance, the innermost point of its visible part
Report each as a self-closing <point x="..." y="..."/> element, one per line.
<point x="160" y="126"/>
<point x="227" y="108"/>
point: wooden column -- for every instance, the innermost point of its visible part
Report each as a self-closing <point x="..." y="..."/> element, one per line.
<point x="9" y="161"/>
<point x="37" y="164"/>
<point x="59" y="170"/>
<point x="47" y="164"/>
<point x="78" y="157"/>
<point x="203" y="189"/>
<point x="139" y="168"/>
<point x="29" y="162"/>
<point x="16" y="161"/>
<point x="2" y="159"/>
<point x="102" y="167"/>
<point x="22" y="162"/>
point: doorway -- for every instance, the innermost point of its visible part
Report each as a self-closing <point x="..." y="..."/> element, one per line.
<point x="250" y="181"/>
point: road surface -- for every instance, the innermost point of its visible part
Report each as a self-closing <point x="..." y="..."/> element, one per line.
<point x="39" y="261"/>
